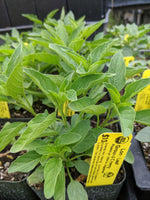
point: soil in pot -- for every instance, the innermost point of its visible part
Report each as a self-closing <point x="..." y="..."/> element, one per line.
<point x="13" y="186"/>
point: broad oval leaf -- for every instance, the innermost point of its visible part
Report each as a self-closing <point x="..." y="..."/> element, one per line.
<point x="82" y="167"/>
<point x="143" y="135"/>
<point x="81" y="104"/>
<point x="76" y="191"/>
<point x="115" y="95"/>
<point x="67" y="138"/>
<point x="37" y="176"/>
<point x="129" y="157"/>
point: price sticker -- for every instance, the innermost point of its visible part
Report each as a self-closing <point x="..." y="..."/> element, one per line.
<point x="143" y="97"/>
<point x="4" y="110"/>
<point x="108" y="156"/>
<point x="128" y="59"/>
<point x="67" y="111"/>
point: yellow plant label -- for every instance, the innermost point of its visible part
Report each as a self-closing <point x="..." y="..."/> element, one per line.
<point x="108" y="156"/>
<point x="67" y="111"/>
<point x="128" y="59"/>
<point x="126" y="37"/>
<point x="4" y="110"/>
<point x="143" y="97"/>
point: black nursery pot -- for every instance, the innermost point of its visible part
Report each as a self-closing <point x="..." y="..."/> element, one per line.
<point x="106" y="192"/>
<point x="16" y="190"/>
<point x="140" y="171"/>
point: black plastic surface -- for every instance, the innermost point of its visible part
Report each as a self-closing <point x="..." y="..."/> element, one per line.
<point x="140" y="171"/>
<point x="43" y="7"/>
<point x="120" y="3"/>
<point x="16" y="190"/>
<point x="4" y="18"/>
<point x="18" y="7"/>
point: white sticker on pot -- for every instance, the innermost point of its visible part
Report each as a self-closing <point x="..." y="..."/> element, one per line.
<point x="108" y="156"/>
<point x="4" y="110"/>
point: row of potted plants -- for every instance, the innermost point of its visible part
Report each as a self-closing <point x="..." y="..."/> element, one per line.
<point x="56" y="64"/>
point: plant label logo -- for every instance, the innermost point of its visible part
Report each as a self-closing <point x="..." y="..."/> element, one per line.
<point x="108" y="156"/>
<point x="4" y="110"/>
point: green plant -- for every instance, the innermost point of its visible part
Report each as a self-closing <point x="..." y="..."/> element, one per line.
<point x="54" y="145"/>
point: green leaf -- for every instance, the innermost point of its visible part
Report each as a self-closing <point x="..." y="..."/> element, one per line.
<point x="46" y="149"/>
<point x="34" y="130"/>
<point x="43" y="57"/>
<point x="131" y="71"/>
<point x="8" y="132"/>
<point x="115" y="95"/>
<point x="33" y="18"/>
<point x="81" y="104"/>
<point x="84" y="144"/>
<point x="143" y="117"/>
<point x="51" y="171"/>
<point x="134" y="88"/>
<point x="82" y="167"/>
<point x="100" y="52"/>
<point x="71" y="95"/>
<point x="117" y="66"/>
<point x="127" y="117"/>
<point x="129" y="157"/>
<point x="37" y="176"/>
<point x="25" y="163"/>
<point x="67" y="138"/>
<point x="15" y="60"/>
<point x="14" y="84"/>
<point x="143" y="135"/>
<point x="84" y="83"/>
<point x="43" y="81"/>
<point x="76" y="191"/>
<point x="90" y="29"/>
<point x="59" y="193"/>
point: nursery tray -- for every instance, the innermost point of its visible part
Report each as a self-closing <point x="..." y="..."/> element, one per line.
<point x="140" y="171"/>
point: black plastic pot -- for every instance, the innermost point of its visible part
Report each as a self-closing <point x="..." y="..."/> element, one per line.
<point x="16" y="190"/>
<point x="93" y="10"/>
<point x="140" y="171"/>
<point x="43" y="7"/>
<point x="16" y="8"/>
<point x="106" y="192"/>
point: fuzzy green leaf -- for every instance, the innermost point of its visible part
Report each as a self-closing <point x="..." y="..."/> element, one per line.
<point x="129" y="157"/>
<point x="51" y="171"/>
<point x="34" y="130"/>
<point x="143" y="117"/>
<point x="25" y="163"/>
<point x="127" y="117"/>
<point x="76" y="191"/>
<point x="115" y="95"/>
<point x="143" y="135"/>
<point x="117" y="66"/>
<point x="59" y="193"/>
<point x="134" y="88"/>
<point x="37" y="176"/>
<point x="82" y="166"/>
<point x="8" y="132"/>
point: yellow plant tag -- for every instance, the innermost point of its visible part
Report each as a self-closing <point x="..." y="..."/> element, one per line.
<point x="143" y="97"/>
<point x="4" y="110"/>
<point x="67" y="111"/>
<point x="128" y="59"/>
<point x="108" y="156"/>
<point x="126" y="37"/>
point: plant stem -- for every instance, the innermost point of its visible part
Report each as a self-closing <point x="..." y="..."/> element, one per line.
<point x="112" y="122"/>
<point x="97" y="120"/>
<point x="71" y="179"/>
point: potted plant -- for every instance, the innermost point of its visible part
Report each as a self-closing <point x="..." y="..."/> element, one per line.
<point x="59" y="145"/>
